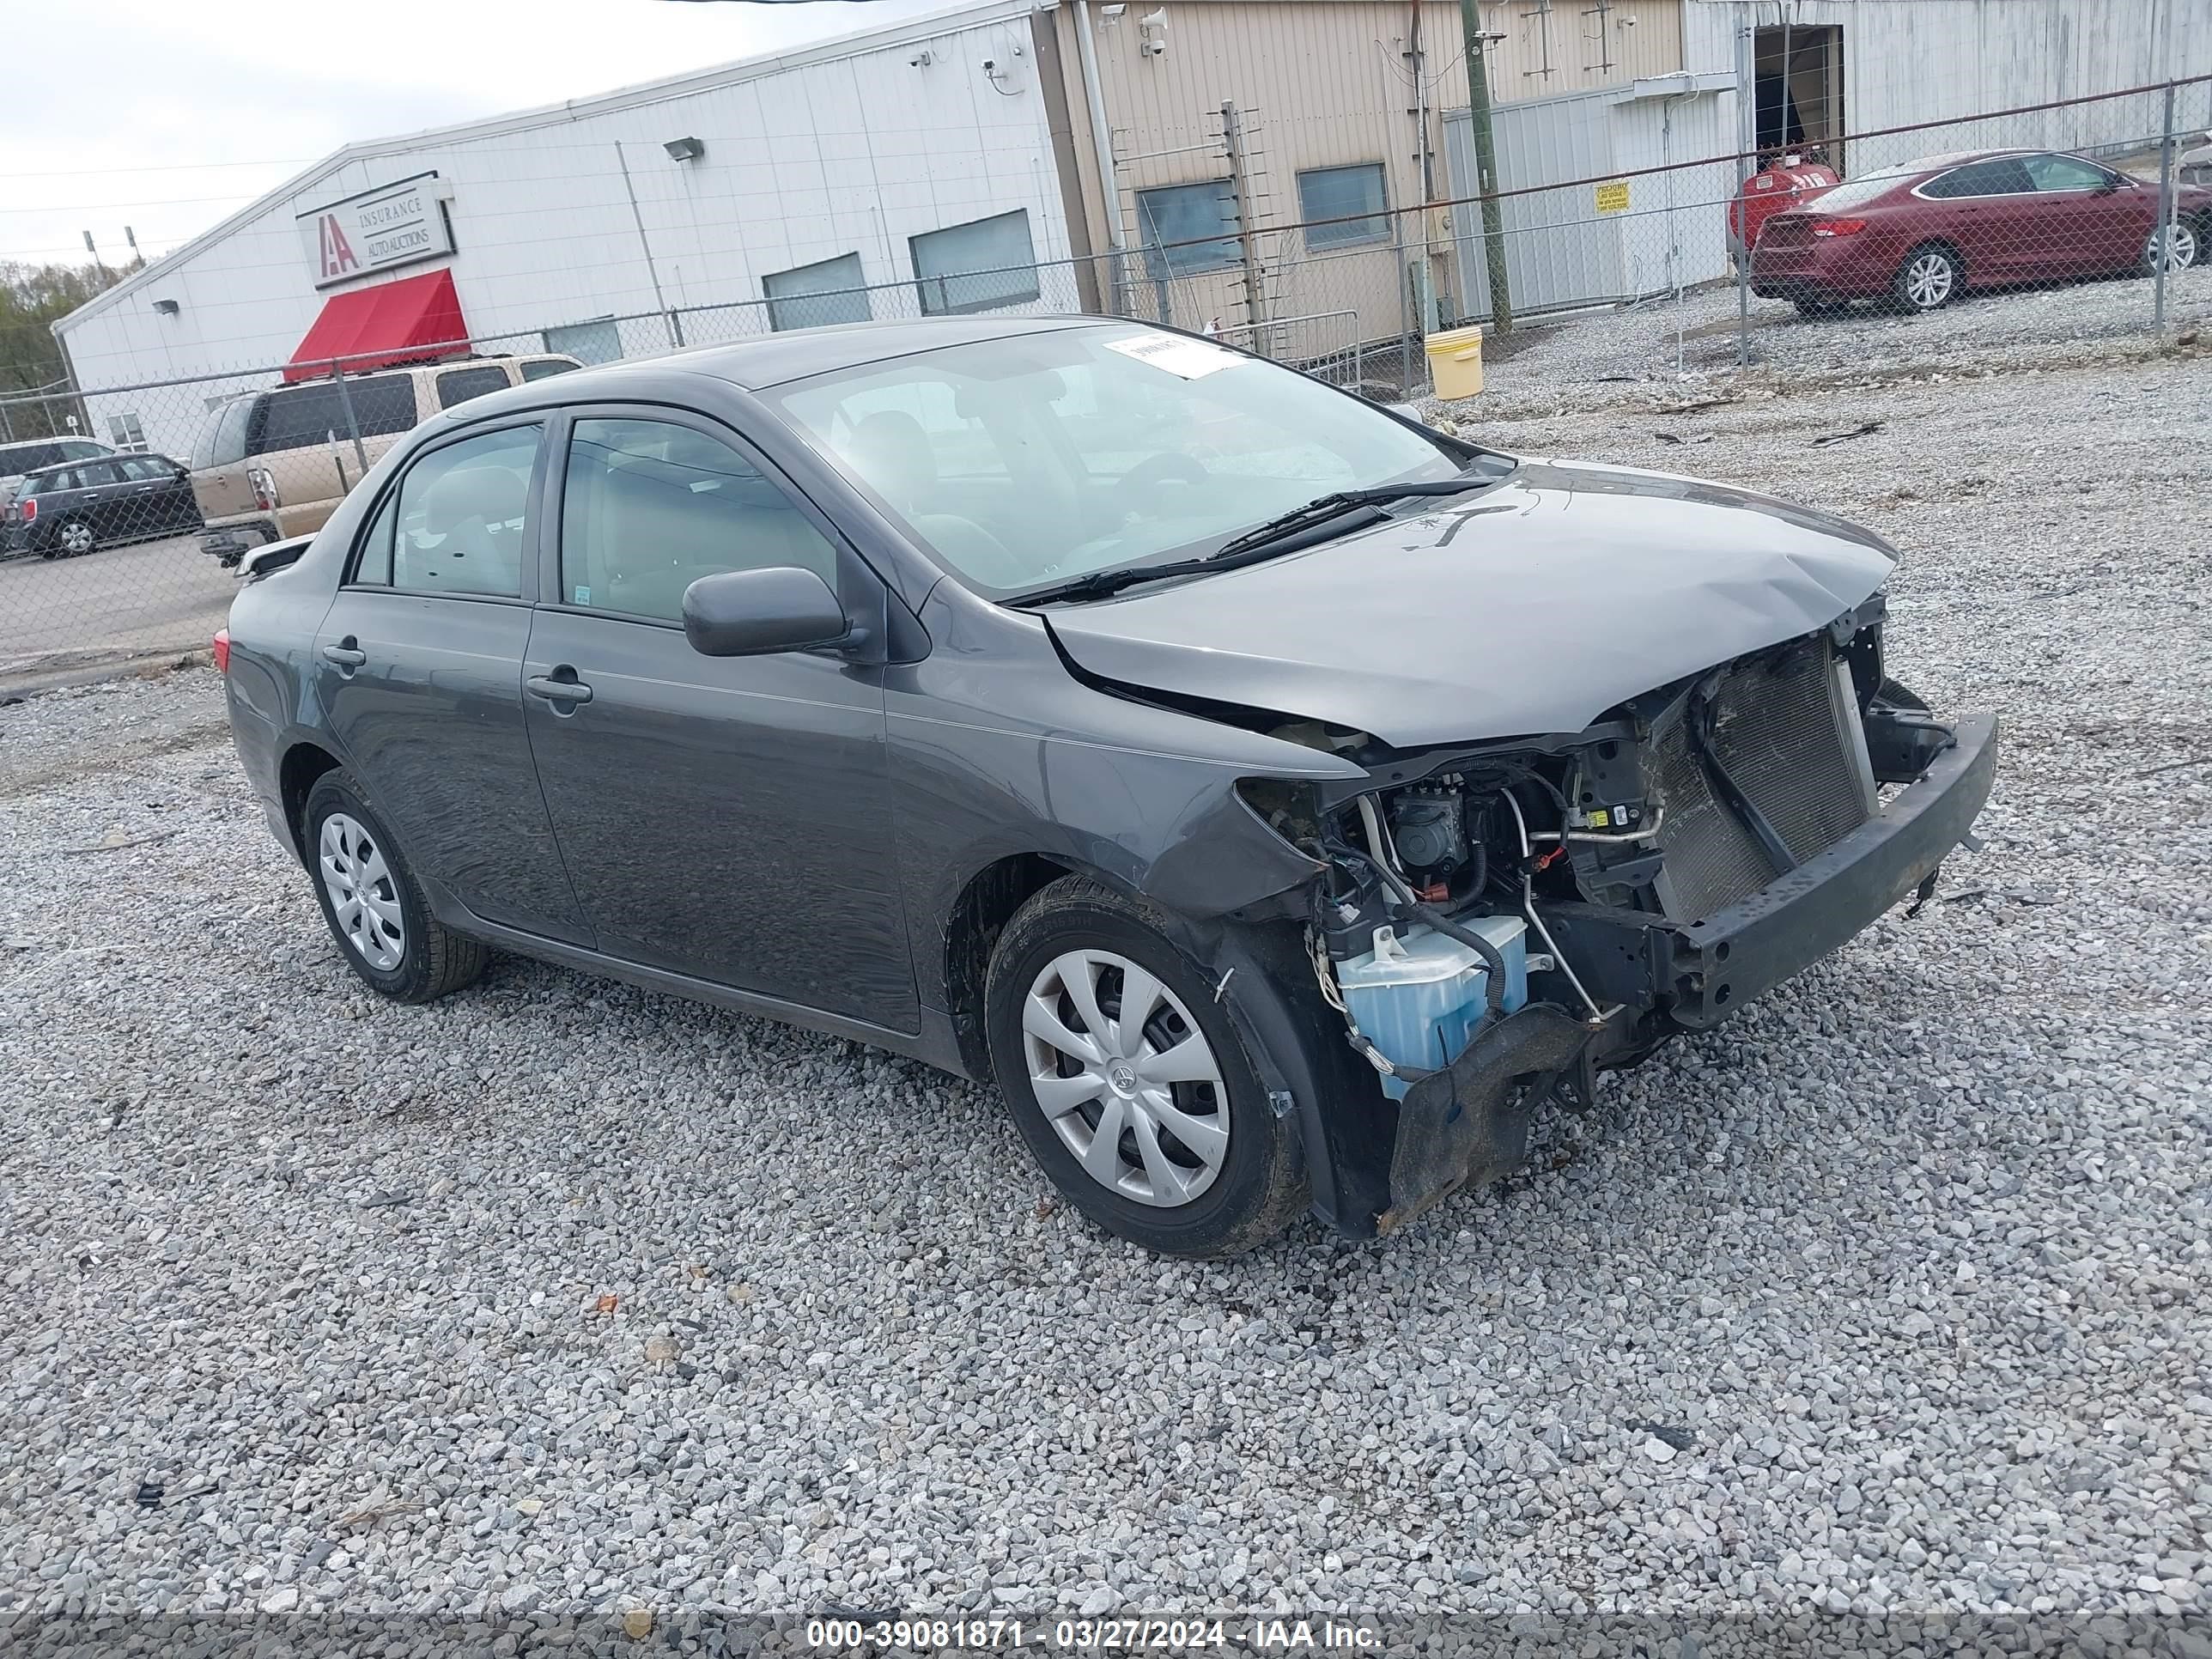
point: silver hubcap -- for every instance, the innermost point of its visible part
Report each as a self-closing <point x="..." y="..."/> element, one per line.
<point x="77" y="538"/>
<point x="1929" y="280"/>
<point x="364" y="897"/>
<point x="2175" y="244"/>
<point x="1125" y="1078"/>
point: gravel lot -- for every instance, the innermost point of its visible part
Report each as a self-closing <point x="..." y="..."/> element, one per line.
<point x="1889" y="1296"/>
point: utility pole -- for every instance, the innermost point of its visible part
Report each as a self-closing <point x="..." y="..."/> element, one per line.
<point x="1486" y="169"/>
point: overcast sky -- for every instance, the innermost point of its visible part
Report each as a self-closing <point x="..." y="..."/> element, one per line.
<point x="167" y="115"/>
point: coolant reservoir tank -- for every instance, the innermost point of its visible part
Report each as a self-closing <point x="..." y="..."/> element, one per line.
<point x="1418" y="997"/>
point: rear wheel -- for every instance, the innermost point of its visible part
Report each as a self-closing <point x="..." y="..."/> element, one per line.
<point x="1129" y="1081"/>
<point x="1929" y="278"/>
<point x="372" y="904"/>
<point x="74" y="536"/>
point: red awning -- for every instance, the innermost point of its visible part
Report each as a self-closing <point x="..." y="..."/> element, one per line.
<point x="403" y="322"/>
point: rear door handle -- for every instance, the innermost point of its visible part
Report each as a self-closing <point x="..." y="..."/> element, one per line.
<point x="345" y="656"/>
<point x="558" y="690"/>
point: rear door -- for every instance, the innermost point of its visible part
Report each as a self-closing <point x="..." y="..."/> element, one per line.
<point x="419" y="666"/>
<point x="95" y="494"/>
<point x="1986" y="210"/>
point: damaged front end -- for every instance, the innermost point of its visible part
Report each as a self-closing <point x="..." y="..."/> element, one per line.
<point x="1499" y="921"/>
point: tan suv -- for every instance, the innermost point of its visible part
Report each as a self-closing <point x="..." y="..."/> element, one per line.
<point x="274" y="464"/>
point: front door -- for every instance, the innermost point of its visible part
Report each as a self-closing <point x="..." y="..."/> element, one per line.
<point x="419" y="666"/>
<point x="726" y="818"/>
<point x="2086" y="218"/>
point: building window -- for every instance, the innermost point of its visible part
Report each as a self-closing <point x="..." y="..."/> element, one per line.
<point x="595" y="342"/>
<point x="1338" y="193"/>
<point x="975" y="267"/>
<point x="814" y="295"/>
<point x="1182" y="227"/>
<point x="125" y="433"/>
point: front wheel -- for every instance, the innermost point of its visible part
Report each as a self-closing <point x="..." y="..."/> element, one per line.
<point x="2177" y="246"/>
<point x="370" y="901"/>
<point x="1929" y="278"/>
<point x="1129" y="1081"/>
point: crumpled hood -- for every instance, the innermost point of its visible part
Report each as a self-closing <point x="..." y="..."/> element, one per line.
<point x="1534" y="606"/>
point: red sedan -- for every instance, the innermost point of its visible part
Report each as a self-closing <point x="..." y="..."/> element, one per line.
<point x="1922" y="233"/>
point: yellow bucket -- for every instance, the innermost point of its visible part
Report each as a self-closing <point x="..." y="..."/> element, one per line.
<point x="1455" y="361"/>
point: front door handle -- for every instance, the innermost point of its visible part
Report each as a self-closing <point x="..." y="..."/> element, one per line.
<point x="558" y="690"/>
<point x="345" y="654"/>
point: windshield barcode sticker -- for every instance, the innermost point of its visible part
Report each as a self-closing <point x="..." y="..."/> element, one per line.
<point x="1187" y="359"/>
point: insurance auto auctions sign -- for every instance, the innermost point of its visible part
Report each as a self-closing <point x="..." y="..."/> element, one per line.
<point x="392" y="225"/>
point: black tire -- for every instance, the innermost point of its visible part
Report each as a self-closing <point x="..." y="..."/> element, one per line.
<point x="1915" y="287"/>
<point x="1260" y="1184"/>
<point x="433" y="960"/>
<point x="62" y="549"/>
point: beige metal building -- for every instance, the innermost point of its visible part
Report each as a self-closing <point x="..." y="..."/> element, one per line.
<point x="1220" y="124"/>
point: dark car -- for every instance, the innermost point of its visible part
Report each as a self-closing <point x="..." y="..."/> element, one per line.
<point x="1923" y="232"/>
<point x="78" y="506"/>
<point x="1278" y="800"/>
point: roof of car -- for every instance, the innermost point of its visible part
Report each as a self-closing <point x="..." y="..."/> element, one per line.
<point x="1957" y="158"/>
<point x="773" y="359"/>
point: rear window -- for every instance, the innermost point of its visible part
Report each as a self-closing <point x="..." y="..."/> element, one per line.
<point x="221" y="440"/>
<point x="458" y="386"/>
<point x="1853" y="192"/>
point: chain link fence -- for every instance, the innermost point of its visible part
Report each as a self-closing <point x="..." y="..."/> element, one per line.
<point x="123" y="507"/>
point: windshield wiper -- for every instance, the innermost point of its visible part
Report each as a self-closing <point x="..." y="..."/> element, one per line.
<point x="1282" y="534"/>
<point x="1322" y="508"/>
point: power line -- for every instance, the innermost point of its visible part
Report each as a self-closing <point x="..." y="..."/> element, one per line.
<point x="165" y="167"/>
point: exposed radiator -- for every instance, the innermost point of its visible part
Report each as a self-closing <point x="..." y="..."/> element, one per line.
<point x="1786" y="731"/>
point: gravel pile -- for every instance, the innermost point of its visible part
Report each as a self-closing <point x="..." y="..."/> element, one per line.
<point x="2005" y="330"/>
<point x="557" y="1297"/>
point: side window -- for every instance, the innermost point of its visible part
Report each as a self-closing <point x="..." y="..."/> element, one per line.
<point x="539" y="369"/>
<point x="2003" y="177"/>
<point x="52" y="482"/>
<point x="298" y="417"/>
<point x="458" y="386"/>
<point x="92" y="474"/>
<point x="382" y="406"/>
<point x="460" y="517"/>
<point x="81" y="449"/>
<point x="649" y="508"/>
<point x="143" y="469"/>
<point x="373" y="558"/>
<point x="2062" y="173"/>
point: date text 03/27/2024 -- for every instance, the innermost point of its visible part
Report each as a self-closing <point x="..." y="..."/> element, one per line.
<point x="1102" y="1635"/>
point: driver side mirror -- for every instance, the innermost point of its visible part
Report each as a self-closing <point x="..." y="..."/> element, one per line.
<point x="756" y="613"/>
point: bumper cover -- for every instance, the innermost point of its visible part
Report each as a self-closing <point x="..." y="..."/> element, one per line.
<point x="1724" y="960"/>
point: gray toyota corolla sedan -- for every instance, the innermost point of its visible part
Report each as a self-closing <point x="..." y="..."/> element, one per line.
<point x="1280" y="801"/>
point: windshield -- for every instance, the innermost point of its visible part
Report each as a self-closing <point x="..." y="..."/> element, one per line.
<point x="1028" y="460"/>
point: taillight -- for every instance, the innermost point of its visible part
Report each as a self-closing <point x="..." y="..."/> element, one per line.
<point x="29" y="505"/>
<point x="221" y="643"/>
<point x="1838" y="226"/>
<point x="264" y="488"/>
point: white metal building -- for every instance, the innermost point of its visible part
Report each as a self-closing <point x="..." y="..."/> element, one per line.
<point x="702" y="208"/>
